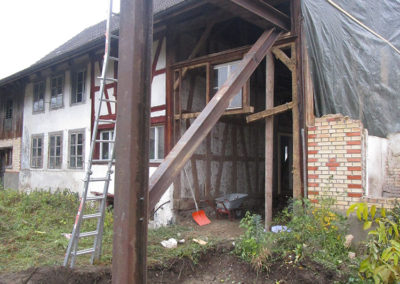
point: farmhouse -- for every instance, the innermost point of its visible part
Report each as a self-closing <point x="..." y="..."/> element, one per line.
<point x="318" y="117"/>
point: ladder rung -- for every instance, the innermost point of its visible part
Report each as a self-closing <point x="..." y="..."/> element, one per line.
<point x="108" y="100"/>
<point x="94" y="198"/>
<point x="84" y="251"/>
<point x="105" y="141"/>
<point x="107" y="120"/>
<point x="98" y="179"/>
<point x="88" y="234"/>
<point x="114" y="58"/>
<point x="108" y="79"/>
<point x="114" y="36"/>
<point x="91" y="216"/>
<point x="107" y="160"/>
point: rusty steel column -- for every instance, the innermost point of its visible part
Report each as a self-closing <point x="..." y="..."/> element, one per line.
<point x="132" y="152"/>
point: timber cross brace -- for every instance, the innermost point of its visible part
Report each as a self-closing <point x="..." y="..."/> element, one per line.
<point x="163" y="177"/>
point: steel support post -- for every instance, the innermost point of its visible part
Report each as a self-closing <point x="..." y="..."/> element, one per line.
<point x="132" y="152"/>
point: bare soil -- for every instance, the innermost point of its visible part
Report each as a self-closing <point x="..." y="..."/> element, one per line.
<point x="216" y="266"/>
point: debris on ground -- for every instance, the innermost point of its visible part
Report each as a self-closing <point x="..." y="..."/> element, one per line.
<point x="200" y="242"/>
<point x="348" y="240"/>
<point x="171" y="243"/>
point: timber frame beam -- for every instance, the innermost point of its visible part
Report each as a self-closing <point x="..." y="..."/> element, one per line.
<point x="198" y="131"/>
<point x="247" y="9"/>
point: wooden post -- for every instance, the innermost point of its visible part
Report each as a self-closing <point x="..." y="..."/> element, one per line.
<point x="269" y="139"/>
<point x="296" y="134"/>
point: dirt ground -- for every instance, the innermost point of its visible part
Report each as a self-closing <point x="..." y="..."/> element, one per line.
<point x="218" y="265"/>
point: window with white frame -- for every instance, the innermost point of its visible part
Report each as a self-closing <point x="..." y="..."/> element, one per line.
<point x="106" y="148"/>
<point x="55" y="150"/>
<point x="76" y="149"/>
<point x="38" y="96"/>
<point x="37" y="151"/>
<point x="57" y="88"/>
<point x="221" y="74"/>
<point x="78" y="86"/>
<point x="157" y="143"/>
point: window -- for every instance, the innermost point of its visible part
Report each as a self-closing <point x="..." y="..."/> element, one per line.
<point x="38" y="96"/>
<point x="221" y="74"/>
<point x="57" y="86"/>
<point x="78" y="86"/>
<point x="8" y="114"/>
<point x="157" y="142"/>
<point x="55" y="151"/>
<point x="106" y="148"/>
<point x="76" y="144"/>
<point x="37" y="151"/>
<point x="8" y="157"/>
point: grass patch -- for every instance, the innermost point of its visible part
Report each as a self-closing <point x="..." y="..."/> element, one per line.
<point x="32" y="228"/>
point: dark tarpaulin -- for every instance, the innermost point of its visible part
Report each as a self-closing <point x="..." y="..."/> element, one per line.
<point x="355" y="73"/>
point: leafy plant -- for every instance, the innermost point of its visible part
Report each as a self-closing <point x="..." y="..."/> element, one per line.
<point x="252" y="243"/>
<point x="382" y="262"/>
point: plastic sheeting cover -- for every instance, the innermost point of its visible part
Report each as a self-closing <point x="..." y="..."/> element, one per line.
<point x="354" y="72"/>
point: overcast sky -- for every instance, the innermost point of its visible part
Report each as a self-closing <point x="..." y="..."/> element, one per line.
<point x="32" y="28"/>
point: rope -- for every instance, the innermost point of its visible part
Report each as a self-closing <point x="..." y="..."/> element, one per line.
<point x="362" y="25"/>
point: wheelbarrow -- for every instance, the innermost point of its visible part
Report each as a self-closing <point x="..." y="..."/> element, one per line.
<point x="229" y="204"/>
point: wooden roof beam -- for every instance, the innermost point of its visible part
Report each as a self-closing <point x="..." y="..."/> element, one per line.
<point x="198" y="131"/>
<point x="246" y="9"/>
<point x="267" y="12"/>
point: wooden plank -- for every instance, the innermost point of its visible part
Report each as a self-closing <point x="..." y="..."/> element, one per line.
<point x="246" y="156"/>
<point x="296" y="133"/>
<point x="269" y="112"/>
<point x="234" y="173"/>
<point x="208" y="166"/>
<point x="222" y="160"/>
<point x="290" y="63"/>
<point x="256" y="12"/>
<point x="244" y="110"/>
<point x="265" y="11"/>
<point x="269" y="140"/>
<point x="308" y="88"/>
<point x="214" y="58"/>
<point x="185" y="147"/>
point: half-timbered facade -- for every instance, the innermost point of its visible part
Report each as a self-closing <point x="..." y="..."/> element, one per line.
<point x="267" y="142"/>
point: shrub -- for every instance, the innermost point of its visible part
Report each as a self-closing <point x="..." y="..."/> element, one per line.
<point x="382" y="261"/>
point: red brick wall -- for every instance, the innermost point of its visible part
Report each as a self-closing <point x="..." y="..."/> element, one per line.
<point x="335" y="160"/>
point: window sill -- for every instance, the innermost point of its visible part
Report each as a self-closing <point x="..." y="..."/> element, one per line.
<point x="154" y="163"/>
<point x="77" y="104"/>
<point x="57" y="107"/>
<point x="38" y="111"/>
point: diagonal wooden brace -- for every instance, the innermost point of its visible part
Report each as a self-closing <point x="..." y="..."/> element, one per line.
<point x="192" y="138"/>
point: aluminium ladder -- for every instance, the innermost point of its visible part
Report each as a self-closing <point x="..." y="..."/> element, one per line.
<point x="95" y="251"/>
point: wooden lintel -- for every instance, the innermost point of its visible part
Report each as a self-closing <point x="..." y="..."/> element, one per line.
<point x="290" y="63"/>
<point x="269" y="112"/>
<point x="244" y="110"/>
<point x="164" y="175"/>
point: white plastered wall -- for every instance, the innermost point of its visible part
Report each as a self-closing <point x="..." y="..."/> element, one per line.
<point x="69" y="117"/>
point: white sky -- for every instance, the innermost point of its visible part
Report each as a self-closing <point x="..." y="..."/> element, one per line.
<point x="30" y="29"/>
